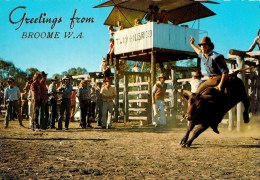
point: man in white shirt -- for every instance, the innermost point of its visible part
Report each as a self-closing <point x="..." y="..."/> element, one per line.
<point x="12" y="98"/>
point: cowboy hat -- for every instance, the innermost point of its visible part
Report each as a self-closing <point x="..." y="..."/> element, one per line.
<point x="54" y="78"/>
<point x="36" y="75"/>
<point x="198" y="74"/>
<point x="43" y="73"/>
<point x="206" y="40"/>
<point x="66" y="77"/>
<point x="161" y="76"/>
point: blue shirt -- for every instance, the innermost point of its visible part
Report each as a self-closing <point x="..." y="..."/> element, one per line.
<point x="214" y="64"/>
<point x="12" y="94"/>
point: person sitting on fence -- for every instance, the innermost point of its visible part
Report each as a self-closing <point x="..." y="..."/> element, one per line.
<point x="105" y="69"/>
<point x="111" y="54"/>
<point x="256" y="42"/>
<point x="111" y="31"/>
<point x="158" y="94"/>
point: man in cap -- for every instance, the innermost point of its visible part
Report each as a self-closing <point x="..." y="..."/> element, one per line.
<point x="52" y="91"/>
<point x="158" y="94"/>
<point x="83" y="95"/>
<point x="66" y="89"/>
<point x="214" y="62"/>
<point x="108" y="94"/>
<point x="44" y="110"/>
<point x="196" y="81"/>
<point x="12" y="98"/>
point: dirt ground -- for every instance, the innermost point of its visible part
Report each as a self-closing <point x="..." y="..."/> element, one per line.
<point x="128" y="151"/>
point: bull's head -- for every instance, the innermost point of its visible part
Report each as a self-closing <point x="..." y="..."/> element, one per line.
<point x="195" y="101"/>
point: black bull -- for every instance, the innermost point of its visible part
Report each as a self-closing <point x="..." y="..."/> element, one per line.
<point x="208" y="108"/>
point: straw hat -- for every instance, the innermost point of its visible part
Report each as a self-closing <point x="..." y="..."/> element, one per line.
<point x="161" y="76"/>
<point x="36" y="75"/>
<point x="54" y="78"/>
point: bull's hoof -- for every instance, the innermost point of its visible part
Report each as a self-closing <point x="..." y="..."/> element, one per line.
<point x="185" y="145"/>
<point x="246" y="117"/>
<point x="216" y="130"/>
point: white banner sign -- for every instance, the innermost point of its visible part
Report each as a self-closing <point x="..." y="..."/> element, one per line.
<point x="153" y="35"/>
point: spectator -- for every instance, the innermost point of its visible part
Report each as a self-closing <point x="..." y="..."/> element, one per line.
<point x="73" y="105"/>
<point x="111" y="31"/>
<point x="136" y="68"/>
<point x="24" y="99"/>
<point x="99" y="102"/>
<point x="158" y="94"/>
<point x="36" y="100"/>
<point x="44" y="109"/>
<point x="52" y="91"/>
<point x="93" y="103"/>
<point x="111" y="54"/>
<point x="256" y="42"/>
<point x="105" y="69"/>
<point x="108" y="94"/>
<point x="137" y="22"/>
<point x="12" y="98"/>
<point x="66" y="90"/>
<point x="196" y="81"/>
<point x="164" y="18"/>
<point x="153" y="14"/>
<point x="83" y="95"/>
<point x="119" y="25"/>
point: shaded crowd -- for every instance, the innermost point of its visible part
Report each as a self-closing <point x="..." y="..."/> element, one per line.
<point x="47" y="105"/>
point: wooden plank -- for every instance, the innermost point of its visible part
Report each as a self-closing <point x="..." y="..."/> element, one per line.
<point x="135" y="100"/>
<point x="137" y="118"/>
<point x="137" y="109"/>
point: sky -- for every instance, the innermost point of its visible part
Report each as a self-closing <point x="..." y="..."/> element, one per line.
<point x="234" y="27"/>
